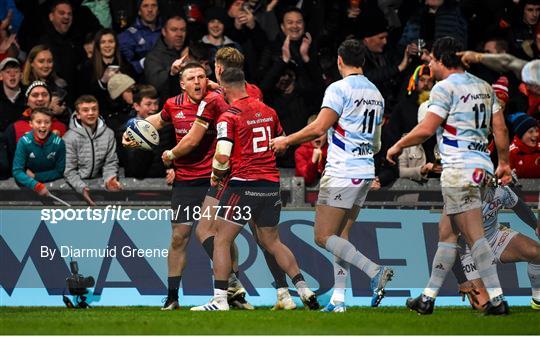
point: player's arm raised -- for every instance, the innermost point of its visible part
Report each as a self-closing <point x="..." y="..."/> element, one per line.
<point x="326" y="118"/>
<point x="418" y="135"/>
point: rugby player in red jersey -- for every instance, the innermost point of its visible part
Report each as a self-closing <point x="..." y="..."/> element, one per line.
<point x="252" y="194"/>
<point x="211" y="107"/>
<point x="192" y="171"/>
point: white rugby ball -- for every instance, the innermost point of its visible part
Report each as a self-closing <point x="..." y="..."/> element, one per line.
<point x="143" y="133"/>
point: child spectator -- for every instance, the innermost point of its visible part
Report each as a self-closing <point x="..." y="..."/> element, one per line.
<point x="525" y="149"/>
<point x="37" y="95"/>
<point x="310" y="158"/>
<point x="90" y="149"/>
<point x="142" y="164"/>
<point x="11" y="94"/>
<point x="41" y="155"/>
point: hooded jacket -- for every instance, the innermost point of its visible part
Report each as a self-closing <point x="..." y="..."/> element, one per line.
<point x="89" y="155"/>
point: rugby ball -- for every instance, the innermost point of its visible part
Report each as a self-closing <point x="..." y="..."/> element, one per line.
<point x="143" y="133"/>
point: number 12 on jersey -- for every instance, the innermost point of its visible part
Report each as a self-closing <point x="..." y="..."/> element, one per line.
<point x="265" y="136"/>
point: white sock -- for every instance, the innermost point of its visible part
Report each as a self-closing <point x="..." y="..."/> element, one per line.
<point x="341" y="271"/>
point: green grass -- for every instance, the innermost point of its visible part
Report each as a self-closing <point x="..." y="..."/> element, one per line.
<point x="356" y="321"/>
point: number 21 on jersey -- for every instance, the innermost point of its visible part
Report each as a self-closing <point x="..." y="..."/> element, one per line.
<point x="261" y="139"/>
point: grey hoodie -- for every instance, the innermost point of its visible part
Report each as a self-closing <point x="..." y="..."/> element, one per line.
<point x="89" y="155"/>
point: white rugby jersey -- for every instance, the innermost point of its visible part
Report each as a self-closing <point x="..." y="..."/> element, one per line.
<point x="360" y="107"/>
<point x="467" y="104"/>
<point x="503" y="197"/>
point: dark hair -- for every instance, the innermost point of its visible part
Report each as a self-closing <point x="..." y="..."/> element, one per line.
<point x="97" y="57"/>
<point x="352" y="52"/>
<point x="291" y="9"/>
<point x="42" y="110"/>
<point x="199" y="51"/>
<point x="84" y="99"/>
<point x="144" y="91"/>
<point x="445" y="49"/>
<point x="500" y="44"/>
<point x="191" y="65"/>
<point x="173" y="17"/>
<point x="55" y="3"/>
<point x="233" y="76"/>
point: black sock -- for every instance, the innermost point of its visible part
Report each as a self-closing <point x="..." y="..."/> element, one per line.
<point x="298" y="278"/>
<point x="208" y="246"/>
<point x="174" y="285"/>
<point x="280" y="280"/>
<point x="457" y="269"/>
<point x="221" y="284"/>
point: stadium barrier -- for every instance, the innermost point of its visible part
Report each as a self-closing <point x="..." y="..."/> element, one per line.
<point x="127" y="257"/>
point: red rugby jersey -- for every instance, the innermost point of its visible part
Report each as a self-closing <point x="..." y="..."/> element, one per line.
<point x="214" y="104"/>
<point x="250" y="124"/>
<point x="181" y="112"/>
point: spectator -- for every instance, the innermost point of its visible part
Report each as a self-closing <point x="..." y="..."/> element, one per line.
<point x="293" y="49"/>
<point x="88" y="46"/>
<point x="531" y="48"/>
<point x="242" y="28"/>
<point x="310" y="158"/>
<point x="41" y="155"/>
<point x="63" y="42"/>
<point x="90" y="149"/>
<point x="106" y="61"/>
<point x="293" y="100"/>
<point x="37" y="95"/>
<point x="264" y="13"/>
<point x="120" y="91"/>
<point x="12" y="100"/>
<point x="433" y="20"/>
<point x="140" y="38"/>
<point x="404" y="117"/>
<point x="216" y="39"/>
<point x="142" y="164"/>
<point x="413" y="162"/>
<point x="40" y="66"/>
<point x="383" y="66"/>
<point x="59" y="107"/>
<point x="525" y="148"/>
<point x="120" y="88"/>
<point x="158" y="61"/>
<point x="523" y="26"/>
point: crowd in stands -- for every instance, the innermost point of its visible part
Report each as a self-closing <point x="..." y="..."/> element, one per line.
<point x="73" y="72"/>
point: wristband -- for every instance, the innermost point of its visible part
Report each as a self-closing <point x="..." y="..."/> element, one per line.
<point x="170" y="155"/>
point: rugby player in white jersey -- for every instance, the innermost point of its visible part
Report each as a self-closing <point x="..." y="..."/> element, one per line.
<point x="462" y="109"/>
<point x="507" y="244"/>
<point x="351" y="113"/>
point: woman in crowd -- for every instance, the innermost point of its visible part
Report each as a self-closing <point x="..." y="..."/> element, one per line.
<point x="39" y="66"/>
<point x="106" y="61"/>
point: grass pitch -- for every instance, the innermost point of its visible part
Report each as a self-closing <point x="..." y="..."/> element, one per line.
<point x="356" y="321"/>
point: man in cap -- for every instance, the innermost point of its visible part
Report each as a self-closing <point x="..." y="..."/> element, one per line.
<point x="11" y="96"/>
